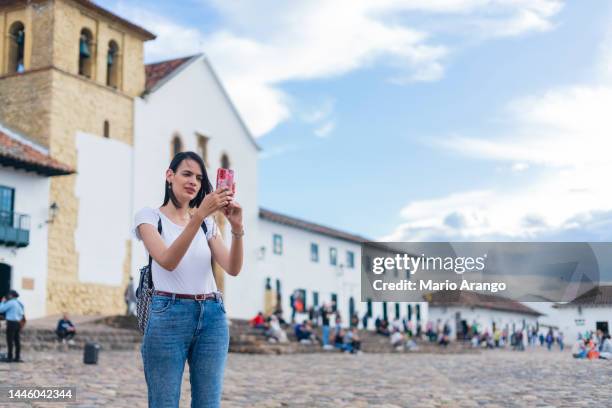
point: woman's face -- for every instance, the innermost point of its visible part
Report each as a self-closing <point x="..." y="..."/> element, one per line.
<point x="186" y="181"/>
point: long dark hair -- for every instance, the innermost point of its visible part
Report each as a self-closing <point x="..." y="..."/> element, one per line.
<point x="205" y="188"/>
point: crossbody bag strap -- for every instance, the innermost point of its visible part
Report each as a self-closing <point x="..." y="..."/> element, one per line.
<point x="159" y="229"/>
<point x="204" y="228"/>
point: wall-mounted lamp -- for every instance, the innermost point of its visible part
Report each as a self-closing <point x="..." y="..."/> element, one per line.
<point x="261" y="252"/>
<point x="340" y="270"/>
<point x="53" y="210"/>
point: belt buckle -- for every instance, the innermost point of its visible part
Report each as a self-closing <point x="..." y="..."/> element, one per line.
<point x="200" y="297"/>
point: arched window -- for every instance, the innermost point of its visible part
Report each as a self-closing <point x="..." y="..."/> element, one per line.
<point x="203" y="147"/>
<point x="86" y="53"/>
<point x="225" y="163"/>
<point x="16" y="48"/>
<point x="106" y="128"/>
<point x="112" y="65"/>
<point x="177" y="145"/>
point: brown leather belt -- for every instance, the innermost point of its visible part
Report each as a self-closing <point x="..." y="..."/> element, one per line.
<point x="203" y="296"/>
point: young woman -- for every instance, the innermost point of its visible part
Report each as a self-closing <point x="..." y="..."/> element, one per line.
<point x="187" y="318"/>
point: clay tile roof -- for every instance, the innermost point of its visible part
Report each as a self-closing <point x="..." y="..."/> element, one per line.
<point x="475" y="299"/>
<point x="600" y="295"/>
<point x="22" y="155"/>
<point x="309" y="226"/>
<point x="159" y="71"/>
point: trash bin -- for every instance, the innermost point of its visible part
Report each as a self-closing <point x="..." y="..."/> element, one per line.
<point x="90" y="355"/>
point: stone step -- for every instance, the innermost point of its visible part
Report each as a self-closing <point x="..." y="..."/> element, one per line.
<point x="120" y="333"/>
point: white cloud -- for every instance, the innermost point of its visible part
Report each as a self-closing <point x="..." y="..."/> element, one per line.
<point x="518" y="167"/>
<point x="277" y="151"/>
<point x="319" y="113"/>
<point x="268" y="42"/>
<point x="325" y="129"/>
<point x="566" y="132"/>
<point x="563" y="127"/>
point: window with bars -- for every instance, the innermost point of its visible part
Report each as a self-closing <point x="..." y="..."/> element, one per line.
<point x="333" y="256"/>
<point x="277" y="244"/>
<point x="314" y="252"/>
<point x="350" y="259"/>
<point x="7" y="202"/>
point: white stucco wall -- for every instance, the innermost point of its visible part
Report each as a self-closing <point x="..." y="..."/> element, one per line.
<point x="104" y="191"/>
<point x="32" y="198"/>
<point x="295" y="270"/>
<point x="192" y="102"/>
<point x="483" y="317"/>
<point x="550" y="315"/>
<point x="572" y="321"/>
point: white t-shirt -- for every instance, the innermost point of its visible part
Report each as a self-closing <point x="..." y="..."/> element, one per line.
<point x="193" y="275"/>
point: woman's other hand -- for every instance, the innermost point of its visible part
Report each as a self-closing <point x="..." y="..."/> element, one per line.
<point x="233" y="212"/>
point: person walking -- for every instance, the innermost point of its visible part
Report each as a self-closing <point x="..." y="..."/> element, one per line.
<point x="550" y="339"/>
<point x="560" y="341"/>
<point x="187" y="319"/>
<point x="14" y="311"/>
<point x="324" y="312"/>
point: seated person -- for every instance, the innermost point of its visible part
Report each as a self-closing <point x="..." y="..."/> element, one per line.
<point x="339" y="340"/>
<point x="579" y="349"/>
<point x="352" y="339"/>
<point x="606" y="348"/>
<point x="411" y="345"/>
<point x="279" y="316"/>
<point x="303" y="332"/>
<point x="383" y="328"/>
<point x="258" y="321"/>
<point x="275" y="331"/>
<point x="591" y="349"/>
<point x="65" y="330"/>
<point x="397" y="339"/>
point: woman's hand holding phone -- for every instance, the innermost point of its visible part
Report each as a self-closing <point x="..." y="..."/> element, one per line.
<point x="217" y="200"/>
<point x="233" y="211"/>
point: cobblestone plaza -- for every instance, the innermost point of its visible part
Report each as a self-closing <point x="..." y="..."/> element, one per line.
<point x="490" y="379"/>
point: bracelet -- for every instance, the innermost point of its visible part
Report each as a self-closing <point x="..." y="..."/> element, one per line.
<point x="238" y="234"/>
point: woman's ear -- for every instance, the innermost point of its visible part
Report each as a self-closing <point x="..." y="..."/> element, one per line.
<point x="169" y="175"/>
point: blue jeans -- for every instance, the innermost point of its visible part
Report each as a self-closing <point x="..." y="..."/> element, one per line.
<point x="182" y="330"/>
<point x="325" y="335"/>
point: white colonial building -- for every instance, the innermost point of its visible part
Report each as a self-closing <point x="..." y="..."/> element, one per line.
<point x="462" y="309"/>
<point x="25" y="168"/>
<point x="186" y="108"/>
<point x="319" y="265"/>
<point x="589" y="312"/>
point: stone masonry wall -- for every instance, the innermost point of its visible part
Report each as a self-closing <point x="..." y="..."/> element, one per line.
<point x="80" y="105"/>
<point x="50" y="103"/>
<point x="26" y="104"/>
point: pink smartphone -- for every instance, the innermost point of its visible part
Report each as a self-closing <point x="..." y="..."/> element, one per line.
<point x="225" y="178"/>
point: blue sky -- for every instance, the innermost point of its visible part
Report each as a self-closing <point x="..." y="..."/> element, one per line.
<point x="414" y="119"/>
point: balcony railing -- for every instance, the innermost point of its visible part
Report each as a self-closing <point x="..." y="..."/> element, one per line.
<point x="14" y="229"/>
